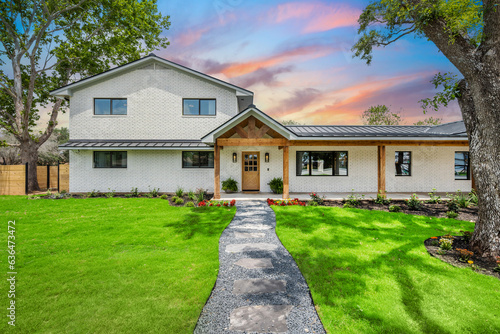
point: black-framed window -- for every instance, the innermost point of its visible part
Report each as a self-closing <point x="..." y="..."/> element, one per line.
<point x="462" y="162"/>
<point x="197" y="159"/>
<point x="110" y="159"/>
<point x="321" y="163"/>
<point x="199" y="107"/>
<point x="110" y="106"/>
<point x="403" y="163"/>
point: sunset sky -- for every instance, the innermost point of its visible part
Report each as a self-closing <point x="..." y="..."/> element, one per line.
<point x="296" y="58"/>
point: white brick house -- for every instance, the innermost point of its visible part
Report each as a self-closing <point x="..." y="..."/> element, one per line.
<point x="154" y="123"/>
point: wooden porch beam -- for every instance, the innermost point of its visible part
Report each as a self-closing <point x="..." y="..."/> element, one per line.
<point x="262" y="131"/>
<point x="381" y="169"/>
<point x="216" y="170"/>
<point x="251" y="127"/>
<point x="379" y="143"/>
<point x="239" y="130"/>
<point x="286" y="174"/>
<point x="252" y="141"/>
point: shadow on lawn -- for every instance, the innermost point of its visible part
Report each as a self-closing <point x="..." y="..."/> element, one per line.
<point x="202" y="221"/>
<point x="340" y="277"/>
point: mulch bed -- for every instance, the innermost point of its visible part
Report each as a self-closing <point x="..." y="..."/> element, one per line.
<point x="432" y="210"/>
<point x="451" y="256"/>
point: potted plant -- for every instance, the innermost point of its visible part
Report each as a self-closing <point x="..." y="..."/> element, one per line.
<point x="276" y="185"/>
<point x="230" y="185"/>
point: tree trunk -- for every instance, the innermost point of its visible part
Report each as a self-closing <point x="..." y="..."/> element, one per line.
<point x="29" y="154"/>
<point x="480" y="105"/>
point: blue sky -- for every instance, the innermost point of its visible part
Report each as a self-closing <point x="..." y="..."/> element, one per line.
<point x="295" y="56"/>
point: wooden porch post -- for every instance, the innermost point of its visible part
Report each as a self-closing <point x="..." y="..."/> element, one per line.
<point x="286" y="175"/>
<point x="216" y="171"/>
<point x="381" y="169"/>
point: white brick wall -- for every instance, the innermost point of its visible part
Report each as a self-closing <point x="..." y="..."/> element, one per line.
<point x="432" y="167"/>
<point x="161" y="169"/>
<point x="154" y="100"/>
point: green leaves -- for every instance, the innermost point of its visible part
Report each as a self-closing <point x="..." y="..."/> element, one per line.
<point x="380" y="115"/>
<point x="449" y="82"/>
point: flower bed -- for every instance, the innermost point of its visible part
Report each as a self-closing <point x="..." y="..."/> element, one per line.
<point x="217" y="203"/>
<point x="285" y="202"/>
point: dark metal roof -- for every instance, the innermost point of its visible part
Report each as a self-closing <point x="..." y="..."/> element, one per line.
<point x="455" y="129"/>
<point x="133" y="144"/>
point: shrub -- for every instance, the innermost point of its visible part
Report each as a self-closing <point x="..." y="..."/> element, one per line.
<point x="163" y="196"/>
<point x="348" y="206"/>
<point x="179" y="192"/>
<point x="192" y="195"/>
<point x="179" y="201"/>
<point x="445" y="244"/>
<point x="135" y="192"/>
<point x="452" y="204"/>
<point x="316" y="198"/>
<point x="200" y="194"/>
<point x="434" y="199"/>
<point x="128" y="195"/>
<point x="190" y="205"/>
<point x="110" y="193"/>
<point x="497" y="268"/>
<point x="394" y="208"/>
<point x="382" y="199"/>
<point x="149" y="195"/>
<point x="174" y="198"/>
<point x="451" y="214"/>
<point x="154" y="192"/>
<point x="312" y="203"/>
<point x="276" y="185"/>
<point x="414" y="203"/>
<point x="473" y="199"/>
<point x="459" y="200"/>
<point x="354" y="200"/>
<point x="466" y="235"/>
<point x="434" y="243"/>
<point x="93" y="193"/>
<point x="464" y="255"/>
<point x="230" y="185"/>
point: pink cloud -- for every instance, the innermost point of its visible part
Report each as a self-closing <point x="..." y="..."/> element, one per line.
<point x="318" y="16"/>
<point x="191" y="36"/>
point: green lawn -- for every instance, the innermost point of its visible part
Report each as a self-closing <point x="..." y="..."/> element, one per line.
<point x="110" y="265"/>
<point x="369" y="272"/>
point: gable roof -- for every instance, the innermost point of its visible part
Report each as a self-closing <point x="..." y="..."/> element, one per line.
<point x="454" y="129"/>
<point x="65" y="91"/>
<point x="251" y="110"/>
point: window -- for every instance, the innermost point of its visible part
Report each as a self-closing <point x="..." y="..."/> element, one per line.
<point x="403" y="163"/>
<point x="110" y="106"/>
<point x="197" y="159"/>
<point x="462" y="171"/>
<point x="111" y="159"/>
<point x="199" y="107"/>
<point x="321" y="163"/>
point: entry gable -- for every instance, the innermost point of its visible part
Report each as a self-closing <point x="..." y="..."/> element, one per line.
<point x="252" y="124"/>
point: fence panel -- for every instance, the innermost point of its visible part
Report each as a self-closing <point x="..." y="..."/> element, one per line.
<point x="12" y="180"/>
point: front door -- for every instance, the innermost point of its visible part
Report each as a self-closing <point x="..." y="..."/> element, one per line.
<point x="250" y="171"/>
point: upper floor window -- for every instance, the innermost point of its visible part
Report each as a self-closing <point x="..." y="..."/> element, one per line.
<point x="113" y="159"/>
<point x="197" y="159"/>
<point x="110" y="106"/>
<point x="199" y="107"/>
<point x="462" y="171"/>
<point x="321" y="163"/>
<point x="403" y="163"/>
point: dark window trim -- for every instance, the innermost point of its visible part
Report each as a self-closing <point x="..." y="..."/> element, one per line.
<point x="468" y="166"/>
<point x="196" y="98"/>
<point x="310" y="169"/>
<point x="110" y="105"/>
<point x="411" y="163"/>
<point x="93" y="161"/>
<point x="196" y="167"/>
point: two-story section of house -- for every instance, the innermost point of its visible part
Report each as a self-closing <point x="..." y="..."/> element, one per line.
<point x="153" y="123"/>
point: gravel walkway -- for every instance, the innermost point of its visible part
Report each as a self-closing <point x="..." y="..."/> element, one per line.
<point x="259" y="287"/>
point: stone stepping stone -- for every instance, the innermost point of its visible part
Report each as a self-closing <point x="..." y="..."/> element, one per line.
<point x="238" y="248"/>
<point x="260" y="318"/>
<point x="252" y="227"/>
<point x="258" y="285"/>
<point x="252" y="213"/>
<point x="254" y="263"/>
<point x="245" y="235"/>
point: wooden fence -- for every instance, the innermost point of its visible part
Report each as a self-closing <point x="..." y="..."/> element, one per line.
<point x="13" y="178"/>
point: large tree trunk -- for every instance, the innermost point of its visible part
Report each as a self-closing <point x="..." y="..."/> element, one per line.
<point x="29" y="154"/>
<point x="480" y="105"/>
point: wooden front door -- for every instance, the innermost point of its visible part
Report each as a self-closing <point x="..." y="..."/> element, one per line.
<point x="250" y="171"/>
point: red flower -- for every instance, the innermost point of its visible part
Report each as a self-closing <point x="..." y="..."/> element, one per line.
<point x="218" y="204"/>
<point x="233" y="202"/>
